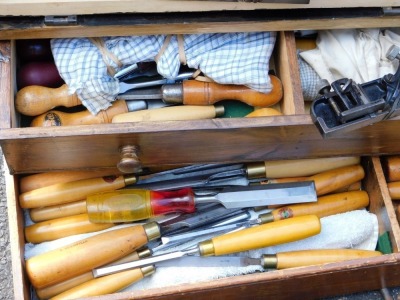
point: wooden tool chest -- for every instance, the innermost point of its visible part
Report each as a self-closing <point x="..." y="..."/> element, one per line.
<point x="291" y="136"/>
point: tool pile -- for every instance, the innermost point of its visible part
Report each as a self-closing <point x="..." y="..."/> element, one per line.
<point x="180" y="218"/>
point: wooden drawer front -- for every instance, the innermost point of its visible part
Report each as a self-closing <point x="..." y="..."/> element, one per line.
<point x="337" y="278"/>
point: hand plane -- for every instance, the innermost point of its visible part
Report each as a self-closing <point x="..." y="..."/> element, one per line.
<point x="346" y="105"/>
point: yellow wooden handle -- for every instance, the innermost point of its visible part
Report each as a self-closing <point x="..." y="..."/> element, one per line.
<point x="325" y="206"/>
<point x="69" y="191"/>
<point x="261" y="236"/>
<point x="169" y="113"/>
<point x="391" y="166"/>
<point x="62" y="227"/>
<point x="59" y="118"/>
<point x="53" y="290"/>
<point x="394" y="190"/>
<point x="46" y="213"/>
<point x="315" y="257"/>
<point x="75" y="259"/>
<point x="103" y="285"/>
<point x="34" y="100"/>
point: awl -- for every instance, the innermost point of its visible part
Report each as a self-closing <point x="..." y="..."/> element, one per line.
<point x="269" y="234"/>
<point x="132" y="205"/>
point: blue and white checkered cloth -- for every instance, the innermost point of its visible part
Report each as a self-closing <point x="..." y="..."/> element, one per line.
<point x="226" y="58"/>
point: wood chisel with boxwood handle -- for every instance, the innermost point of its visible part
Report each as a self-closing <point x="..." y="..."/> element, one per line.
<point x="133" y="205"/>
<point x="275" y="233"/>
<point x="82" y="256"/>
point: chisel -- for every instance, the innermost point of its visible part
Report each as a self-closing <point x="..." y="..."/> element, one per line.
<point x="80" y="257"/>
<point x="132" y="205"/>
<point x="261" y="236"/>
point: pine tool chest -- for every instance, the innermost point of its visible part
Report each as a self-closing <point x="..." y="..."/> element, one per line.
<point x="91" y="110"/>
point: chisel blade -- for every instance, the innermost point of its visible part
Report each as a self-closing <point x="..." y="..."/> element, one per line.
<point x="211" y="261"/>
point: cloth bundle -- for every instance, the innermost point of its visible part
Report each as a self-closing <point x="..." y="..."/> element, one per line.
<point x="226" y="58"/>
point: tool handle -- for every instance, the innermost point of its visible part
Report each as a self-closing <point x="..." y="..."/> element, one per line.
<point x="332" y="180"/>
<point x="46" y="213"/>
<point x="34" y="100"/>
<point x="58" y="118"/>
<point x="394" y="190"/>
<point x="170" y="113"/>
<point x="205" y="93"/>
<point x="325" y="206"/>
<point x="69" y="191"/>
<point x="39" y="180"/>
<point x="56" y="289"/>
<point x="261" y="236"/>
<point x="61" y="227"/>
<point x="75" y="259"/>
<point x="391" y="166"/>
<point x="314" y="257"/>
<point x="306" y="167"/>
<point x="106" y="284"/>
<point x="133" y="205"/>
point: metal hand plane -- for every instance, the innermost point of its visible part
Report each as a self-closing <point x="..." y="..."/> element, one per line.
<point x="346" y="105"/>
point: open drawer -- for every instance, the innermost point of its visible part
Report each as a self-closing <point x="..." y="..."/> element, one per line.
<point x="355" y="275"/>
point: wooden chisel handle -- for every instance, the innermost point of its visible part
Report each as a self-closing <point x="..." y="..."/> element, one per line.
<point x="394" y="190"/>
<point x="391" y="166"/>
<point x="39" y="180"/>
<point x="261" y="236"/>
<point x="46" y="213"/>
<point x="72" y="191"/>
<point x="59" y="118"/>
<point x="62" y="227"/>
<point x="106" y="284"/>
<point x="80" y="257"/>
<point x="56" y="289"/>
<point x="325" y="206"/>
<point x="196" y="92"/>
<point x="306" y="167"/>
<point x="34" y="100"/>
<point x="171" y="113"/>
<point x="284" y="260"/>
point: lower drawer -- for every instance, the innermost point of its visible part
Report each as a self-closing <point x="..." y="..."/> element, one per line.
<point x="301" y="282"/>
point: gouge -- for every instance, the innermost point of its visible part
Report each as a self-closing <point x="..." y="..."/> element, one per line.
<point x="56" y="289"/>
<point x="132" y="205"/>
<point x="275" y="233"/>
<point x="171" y="113"/>
<point x="77" y="258"/>
<point x="61" y="227"/>
<point x="72" y="191"/>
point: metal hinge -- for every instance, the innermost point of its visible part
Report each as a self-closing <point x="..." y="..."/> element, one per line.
<point x="61" y="20"/>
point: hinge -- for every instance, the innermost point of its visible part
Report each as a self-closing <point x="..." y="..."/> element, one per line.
<point x="61" y="20"/>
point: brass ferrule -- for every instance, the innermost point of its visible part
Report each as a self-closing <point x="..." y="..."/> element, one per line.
<point x="147" y="270"/>
<point x="152" y="230"/>
<point x="219" y="110"/>
<point x="256" y="170"/>
<point x="265" y="218"/>
<point x="269" y="261"/>
<point x="206" y="248"/>
<point x="144" y="253"/>
<point x="130" y="179"/>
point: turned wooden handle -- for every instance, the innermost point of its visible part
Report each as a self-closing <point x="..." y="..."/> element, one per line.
<point x="78" y="258"/>
<point x="58" y="288"/>
<point x="69" y="191"/>
<point x="39" y="180"/>
<point x="62" y="227"/>
<point x="306" y="167"/>
<point x="205" y="93"/>
<point x="265" y="235"/>
<point x="325" y="206"/>
<point x="46" y="213"/>
<point x="58" y="118"/>
<point x="169" y="113"/>
<point x="394" y="190"/>
<point x="34" y="100"/>
<point x="314" y="257"/>
<point x="391" y="165"/>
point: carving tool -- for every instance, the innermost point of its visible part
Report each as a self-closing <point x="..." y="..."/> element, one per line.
<point x="80" y="257"/>
<point x="391" y="166"/>
<point x="275" y="233"/>
<point x="261" y="236"/>
<point x="132" y="205"/>
<point x="394" y="190"/>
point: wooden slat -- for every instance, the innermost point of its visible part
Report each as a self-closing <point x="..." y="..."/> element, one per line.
<point x="5" y="85"/>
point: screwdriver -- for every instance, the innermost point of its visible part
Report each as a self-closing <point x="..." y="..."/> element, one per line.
<point x="275" y="233"/>
<point x="132" y="205"/>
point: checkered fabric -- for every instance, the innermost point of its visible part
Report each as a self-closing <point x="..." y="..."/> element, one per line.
<point x="227" y="58"/>
<point x="309" y="79"/>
